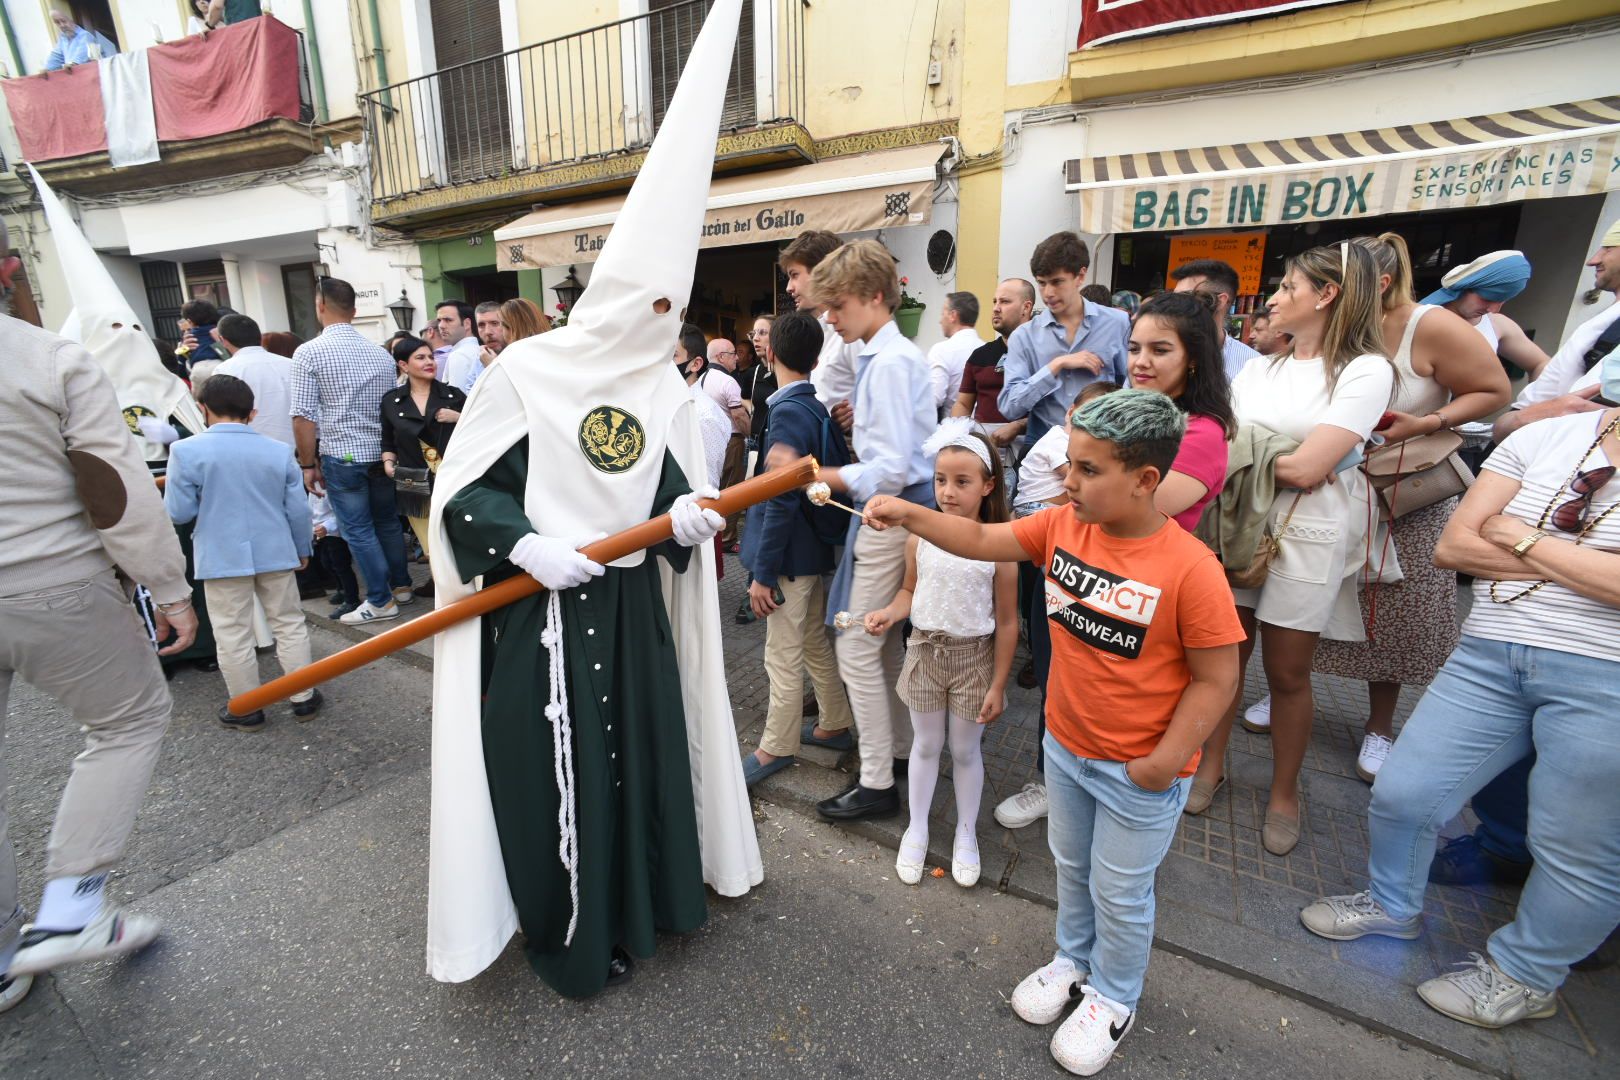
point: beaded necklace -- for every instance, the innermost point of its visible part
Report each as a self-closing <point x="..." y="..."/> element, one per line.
<point x="1552" y="504"/>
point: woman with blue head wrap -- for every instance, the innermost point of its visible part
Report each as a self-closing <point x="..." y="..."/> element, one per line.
<point x="1477" y="290"/>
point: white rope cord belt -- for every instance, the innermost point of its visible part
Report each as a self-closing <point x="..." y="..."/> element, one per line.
<point x="562" y="742"/>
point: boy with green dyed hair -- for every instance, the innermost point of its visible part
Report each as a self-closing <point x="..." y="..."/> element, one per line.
<point x="1144" y="662"/>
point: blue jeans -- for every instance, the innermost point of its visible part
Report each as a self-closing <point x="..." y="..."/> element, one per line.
<point x="1490" y="705"/>
<point x="1503" y="809"/>
<point x="1108" y="837"/>
<point x="363" y="501"/>
<point x="1032" y="589"/>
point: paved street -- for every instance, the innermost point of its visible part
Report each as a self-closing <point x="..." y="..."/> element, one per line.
<point x="290" y="869"/>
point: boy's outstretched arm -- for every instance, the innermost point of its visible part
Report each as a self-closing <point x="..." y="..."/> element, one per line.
<point x="959" y="536"/>
<point x="1207" y="697"/>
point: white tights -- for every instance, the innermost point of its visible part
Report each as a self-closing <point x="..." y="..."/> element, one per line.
<point x="967" y="775"/>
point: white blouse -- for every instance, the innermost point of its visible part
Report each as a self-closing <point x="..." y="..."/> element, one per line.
<point x="954" y="595"/>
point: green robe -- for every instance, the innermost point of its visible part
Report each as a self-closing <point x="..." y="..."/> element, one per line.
<point x="639" y="866"/>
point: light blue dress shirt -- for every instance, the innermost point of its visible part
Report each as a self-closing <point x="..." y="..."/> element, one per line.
<point x="894" y="412"/>
<point x="76" y="49"/>
<point x="1235" y="355"/>
<point x="246" y="495"/>
<point x="1032" y="390"/>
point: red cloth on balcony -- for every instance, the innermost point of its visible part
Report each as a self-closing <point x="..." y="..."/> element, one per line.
<point x="58" y="114"/>
<point x="236" y="77"/>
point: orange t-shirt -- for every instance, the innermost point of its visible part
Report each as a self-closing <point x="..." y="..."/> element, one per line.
<point x="1122" y="614"/>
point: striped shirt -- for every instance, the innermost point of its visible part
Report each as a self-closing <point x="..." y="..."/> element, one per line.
<point x="1540" y="456"/>
<point x="338" y="382"/>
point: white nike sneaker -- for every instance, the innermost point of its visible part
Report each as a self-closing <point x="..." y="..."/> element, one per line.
<point x="1045" y="993"/>
<point x="113" y="932"/>
<point x="1024" y="808"/>
<point x="1257" y="717"/>
<point x="1091" y="1034"/>
<point x="1374" y="750"/>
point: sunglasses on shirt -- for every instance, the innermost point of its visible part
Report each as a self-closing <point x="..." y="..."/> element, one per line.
<point x="1570" y="516"/>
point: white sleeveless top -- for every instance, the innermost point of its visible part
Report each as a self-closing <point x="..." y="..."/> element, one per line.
<point x="1416" y="394"/>
<point x="1487" y="330"/>
<point x="954" y="595"/>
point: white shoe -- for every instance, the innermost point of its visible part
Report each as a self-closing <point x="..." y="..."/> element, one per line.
<point x="965" y="858"/>
<point x="1045" y="993"/>
<point x="1024" y="808"/>
<point x="1257" y="717"/>
<point x="13" y="989"/>
<point x="911" y="861"/>
<point x="113" y="932"/>
<point x="1091" y="1034"/>
<point x="1374" y="750"/>
<point x="366" y="613"/>
<point x="404" y="594"/>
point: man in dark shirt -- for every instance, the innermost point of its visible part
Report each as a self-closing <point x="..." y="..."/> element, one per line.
<point x="982" y="379"/>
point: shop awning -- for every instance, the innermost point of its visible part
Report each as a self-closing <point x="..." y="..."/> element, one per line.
<point x="849" y="194"/>
<point x="1541" y="153"/>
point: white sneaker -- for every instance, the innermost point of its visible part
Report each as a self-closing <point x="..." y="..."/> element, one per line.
<point x="366" y="613"/>
<point x="1374" y="749"/>
<point x="1024" y="808"/>
<point x="1044" y="994"/>
<point x="1257" y="717"/>
<point x="404" y="594"/>
<point x="113" y="932"/>
<point x="13" y="990"/>
<point x="1091" y="1034"/>
<point x="965" y="858"/>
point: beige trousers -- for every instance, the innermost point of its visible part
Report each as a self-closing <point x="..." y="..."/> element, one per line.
<point x="81" y="643"/>
<point x="871" y="665"/>
<point x="230" y="608"/>
<point x="795" y="639"/>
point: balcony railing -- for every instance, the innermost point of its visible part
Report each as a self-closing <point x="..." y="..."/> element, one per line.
<point x="586" y="95"/>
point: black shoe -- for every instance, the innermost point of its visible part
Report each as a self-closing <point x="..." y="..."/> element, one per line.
<point x="860" y="802"/>
<point x="311" y="592"/>
<point x="424" y="591"/>
<point x="253" y="721"/>
<point x="812" y="707"/>
<point x="207" y="663"/>
<point x="1463" y="861"/>
<point x="902" y="767"/>
<point x="303" y="710"/>
<point x="1026" y="676"/>
<point x="620" y="967"/>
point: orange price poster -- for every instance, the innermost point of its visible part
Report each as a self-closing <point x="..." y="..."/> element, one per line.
<point x="1245" y="251"/>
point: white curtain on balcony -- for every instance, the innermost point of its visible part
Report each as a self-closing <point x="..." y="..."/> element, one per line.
<point x="126" y="98"/>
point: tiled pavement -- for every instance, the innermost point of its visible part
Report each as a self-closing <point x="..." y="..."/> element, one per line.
<point x="1222" y="900"/>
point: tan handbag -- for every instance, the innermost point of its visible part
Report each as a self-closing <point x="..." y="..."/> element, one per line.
<point x="1265" y="552"/>
<point x="1417" y="473"/>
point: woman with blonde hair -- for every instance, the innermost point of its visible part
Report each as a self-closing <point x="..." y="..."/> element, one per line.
<point x="1447" y="376"/>
<point x="521" y="318"/>
<point x="1327" y="392"/>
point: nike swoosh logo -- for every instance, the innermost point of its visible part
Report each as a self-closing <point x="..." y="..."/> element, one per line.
<point x="1117" y="1031"/>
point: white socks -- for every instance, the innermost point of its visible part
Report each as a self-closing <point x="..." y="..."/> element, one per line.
<point x="967" y="772"/>
<point x="70" y="903"/>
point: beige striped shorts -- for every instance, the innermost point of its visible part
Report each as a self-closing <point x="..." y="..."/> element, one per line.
<point x="945" y="672"/>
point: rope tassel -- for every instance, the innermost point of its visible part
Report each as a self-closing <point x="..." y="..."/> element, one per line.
<point x="562" y="742"/>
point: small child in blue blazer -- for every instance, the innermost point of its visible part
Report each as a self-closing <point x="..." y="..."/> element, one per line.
<point x="246" y="495"/>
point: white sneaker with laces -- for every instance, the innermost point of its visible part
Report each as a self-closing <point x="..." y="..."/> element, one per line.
<point x="1024" y="808"/>
<point x="113" y="932"/>
<point x="1483" y="995"/>
<point x="1091" y="1034"/>
<point x="1374" y="749"/>
<point x="13" y="989"/>
<point x="367" y="613"/>
<point x="1257" y="717"/>
<point x="1045" y="993"/>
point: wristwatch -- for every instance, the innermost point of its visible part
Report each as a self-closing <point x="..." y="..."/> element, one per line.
<point x="1522" y="548"/>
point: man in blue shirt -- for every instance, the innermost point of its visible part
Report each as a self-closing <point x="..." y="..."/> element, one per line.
<point x="1220" y="280"/>
<point x="73" y="44"/>
<point x="1051" y="358"/>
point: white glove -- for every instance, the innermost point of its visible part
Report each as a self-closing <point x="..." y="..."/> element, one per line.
<point x="159" y="432"/>
<point x="692" y="523"/>
<point x="556" y="564"/>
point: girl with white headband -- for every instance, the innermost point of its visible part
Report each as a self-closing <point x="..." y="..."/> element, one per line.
<point x="964" y="617"/>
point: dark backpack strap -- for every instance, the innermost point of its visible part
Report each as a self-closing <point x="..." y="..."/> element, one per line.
<point x="1606" y="343"/>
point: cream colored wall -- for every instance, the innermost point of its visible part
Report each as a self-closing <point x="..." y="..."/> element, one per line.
<point x="866" y="64"/>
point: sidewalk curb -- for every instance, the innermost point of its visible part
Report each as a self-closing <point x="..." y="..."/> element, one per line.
<point x="799" y="789"/>
<point x="357" y="635"/>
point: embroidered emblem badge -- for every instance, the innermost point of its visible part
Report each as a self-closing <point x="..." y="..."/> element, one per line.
<point x="611" y="439"/>
<point x="134" y="413"/>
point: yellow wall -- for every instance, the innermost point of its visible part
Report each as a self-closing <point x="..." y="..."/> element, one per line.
<point x="1337" y="35"/>
<point x="984" y="91"/>
<point x="866" y="62"/>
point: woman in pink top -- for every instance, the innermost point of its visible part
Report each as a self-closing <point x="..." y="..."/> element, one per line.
<point x="1175" y="351"/>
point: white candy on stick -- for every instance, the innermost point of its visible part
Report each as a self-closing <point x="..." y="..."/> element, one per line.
<point x="845" y="621"/>
<point x="820" y="494"/>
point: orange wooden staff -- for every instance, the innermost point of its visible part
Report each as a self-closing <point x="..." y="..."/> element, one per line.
<point x="738" y="497"/>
